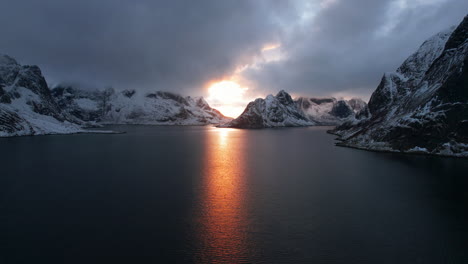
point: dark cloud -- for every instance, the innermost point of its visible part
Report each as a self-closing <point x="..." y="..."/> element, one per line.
<point x="348" y="45"/>
<point x="181" y="45"/>
<point x="167" y="45"/>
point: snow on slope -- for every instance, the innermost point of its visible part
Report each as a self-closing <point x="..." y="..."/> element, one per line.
<point x="134" y="107"/>
<point x="423" y="106"/>
<point x="282" y="111"/>
<point x="26" y="106"/>
<point x="273" y="111"/>
<point x="29" y="107"/>
<point x="329" y="111"/>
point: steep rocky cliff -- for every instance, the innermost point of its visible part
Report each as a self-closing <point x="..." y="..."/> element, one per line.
<point x="26" y="104"/>
<point x="423" y="106"/>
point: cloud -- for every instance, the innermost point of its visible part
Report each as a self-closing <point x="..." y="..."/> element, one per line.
<point x="321" y="47"/>
<point x="346" y="46"/>
<point x="165" y="45"/>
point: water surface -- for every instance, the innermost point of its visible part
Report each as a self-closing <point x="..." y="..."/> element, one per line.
<point x="207" y="195"/>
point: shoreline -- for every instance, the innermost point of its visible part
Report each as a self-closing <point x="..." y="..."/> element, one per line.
<point x="341" y="143"/>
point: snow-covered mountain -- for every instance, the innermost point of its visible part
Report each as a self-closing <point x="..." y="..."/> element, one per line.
<point x="133" y="107"/>
<point x="273" y="111"/>
<point x="423" y="106"/>
<point x="282" y="111"/>
<point x="29" y="107"/>
<point x="329" y="111"/>
<point x="26" y="105"/>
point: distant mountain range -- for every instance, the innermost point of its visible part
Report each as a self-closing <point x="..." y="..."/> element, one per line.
<point x="29" y="107"/>
<point x="133" y="107"/>
<point x="282" y="111"/>
<point x="422" y="107"/>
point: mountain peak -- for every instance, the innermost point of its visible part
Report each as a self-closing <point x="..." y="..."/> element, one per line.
<point x="422" y="106"/>
<point x="7" y="60"/>
<point x="273" y="111"/>
<point x="282" y="111"/>
<point x="284" y="98"/>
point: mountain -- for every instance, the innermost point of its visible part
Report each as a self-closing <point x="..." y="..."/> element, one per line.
<point x="273" y="111"/>
<point x="26" y="104"/>
<point x="29" y="107"/>
<point x="282" y="111"/>
<point x="329" y="111"/>
<point x="423" y="106"/>
<point x="133" y="107"/>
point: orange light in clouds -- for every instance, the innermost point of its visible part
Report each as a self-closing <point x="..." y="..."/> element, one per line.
<point x="227" y="97"/>
<point x="271" y="47"/>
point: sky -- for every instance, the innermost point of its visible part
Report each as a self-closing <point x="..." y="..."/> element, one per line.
<point x="317" y="48"/>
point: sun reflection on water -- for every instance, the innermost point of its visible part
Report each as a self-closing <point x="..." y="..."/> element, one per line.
<point x="222" y="223"/>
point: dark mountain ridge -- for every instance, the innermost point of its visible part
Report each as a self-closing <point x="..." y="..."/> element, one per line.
<point x="282" y="111"/>
<point x="423" y="106"/>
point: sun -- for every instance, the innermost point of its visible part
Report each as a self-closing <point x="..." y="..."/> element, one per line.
<point x="227" y="97"/>
<point x="226" y="91"/>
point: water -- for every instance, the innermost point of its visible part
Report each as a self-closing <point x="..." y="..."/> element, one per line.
<point x="207" y="195"/>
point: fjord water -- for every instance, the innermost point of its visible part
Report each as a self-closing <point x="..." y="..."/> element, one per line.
<point x="208" y="195"/>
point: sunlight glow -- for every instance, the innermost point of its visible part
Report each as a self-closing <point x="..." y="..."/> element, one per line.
<point x="271" y="47"/>
<point x="227" y="97"/>
<point x="226" y="91"/>
<point x="270" y="53"/>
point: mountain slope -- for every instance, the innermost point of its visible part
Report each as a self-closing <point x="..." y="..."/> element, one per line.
<point x="423" y="106"/>
<point x="282" y="111"/>
<point x="134" y="107"/>
<point x="329" y="111"/>
<point x="273" y="111"/>
<point x="29" y="107"/>
<point x="26" y="105"/>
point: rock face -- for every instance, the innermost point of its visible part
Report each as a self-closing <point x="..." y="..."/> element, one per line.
<point x="423" y="106"/>
<point x="133" y="107"/>
<point x="273" y="111"/>
<point x="26" y="104"/>
<point x="329" y="111"/>
<point x="282" y="111"/>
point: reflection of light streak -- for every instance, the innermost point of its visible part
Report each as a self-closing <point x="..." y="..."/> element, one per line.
<point x="223" y="134"/>
<point x="222" y="216"/>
